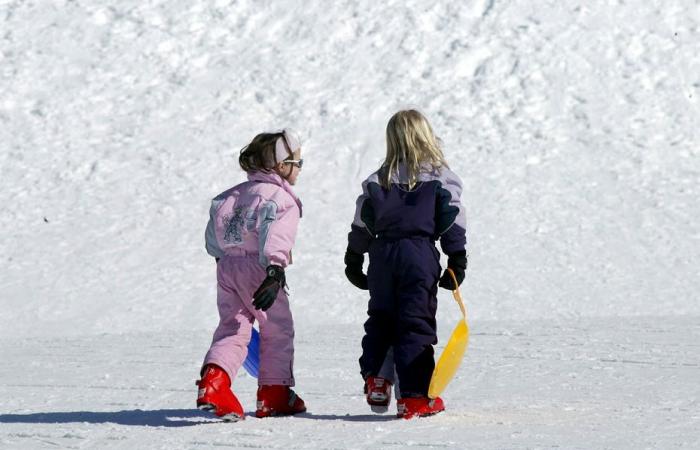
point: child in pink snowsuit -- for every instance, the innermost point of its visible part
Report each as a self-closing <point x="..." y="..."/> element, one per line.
<point x="251" y="233"/>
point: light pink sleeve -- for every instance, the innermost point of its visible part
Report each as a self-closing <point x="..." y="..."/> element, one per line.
<point x="277" y="233"/>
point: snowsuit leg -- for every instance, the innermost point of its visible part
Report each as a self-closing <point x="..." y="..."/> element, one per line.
<point x="238" y="278"/>
<point x="276" y="341"/>
<point x="380" y="325"/>
<point x="402" y="276"/>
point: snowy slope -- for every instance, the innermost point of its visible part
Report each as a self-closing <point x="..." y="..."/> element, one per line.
<point x="574" y="126"/>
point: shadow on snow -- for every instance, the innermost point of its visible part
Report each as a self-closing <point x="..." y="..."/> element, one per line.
<point x="155" y="418"/>
<point x="348" y="417"/>
<point x="159" y="417"/>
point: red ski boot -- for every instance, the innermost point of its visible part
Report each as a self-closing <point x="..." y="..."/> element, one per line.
<point x="215" y="395"/>
<point x="419" y="407"/>
<point x="378" y="392"/>
<point x="278" y="400"/>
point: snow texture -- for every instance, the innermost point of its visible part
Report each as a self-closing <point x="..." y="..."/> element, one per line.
<point x="574" y="126"/>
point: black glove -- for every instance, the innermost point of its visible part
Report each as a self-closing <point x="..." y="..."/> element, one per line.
<point x="266" y="294"/>
<point x="458" y="263"/>
<point x="353" y="269"/>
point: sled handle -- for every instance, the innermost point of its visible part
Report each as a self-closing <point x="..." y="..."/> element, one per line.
<point x="457" y="294"/>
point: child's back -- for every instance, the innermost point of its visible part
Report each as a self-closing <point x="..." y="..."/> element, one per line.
<point x="431" y="209"/>
<point x="241" y="219"/>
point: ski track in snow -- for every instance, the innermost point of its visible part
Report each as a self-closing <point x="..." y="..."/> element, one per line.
<point x="573" y="126"/>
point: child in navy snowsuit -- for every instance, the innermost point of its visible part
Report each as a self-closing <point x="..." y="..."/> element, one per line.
<point x="412" y="201"/>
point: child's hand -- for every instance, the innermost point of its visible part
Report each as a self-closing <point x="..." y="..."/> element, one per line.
<point x="458" y="263"/>
<point x="446" y="281"/>
<point x="359" y="279"/>
<point x="353" y="269"/>
<point x="266" y="294"/>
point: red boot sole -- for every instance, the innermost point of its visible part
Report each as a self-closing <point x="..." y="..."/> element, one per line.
<point x="417" y="415"/>
<point x="231" y="417"/>
<point x="260" y="414"/>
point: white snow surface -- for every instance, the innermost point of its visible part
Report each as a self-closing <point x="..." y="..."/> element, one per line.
<point x="574" y="126"/>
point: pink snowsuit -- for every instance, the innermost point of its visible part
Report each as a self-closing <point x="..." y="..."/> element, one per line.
<point x="253" y="225"/>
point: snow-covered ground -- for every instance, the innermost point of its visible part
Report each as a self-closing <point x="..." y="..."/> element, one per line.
<point x="603" y="383"/>
<point x="574" y="126"/>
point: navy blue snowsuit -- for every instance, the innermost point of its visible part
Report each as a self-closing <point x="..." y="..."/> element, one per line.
<point x="399" y="228"/>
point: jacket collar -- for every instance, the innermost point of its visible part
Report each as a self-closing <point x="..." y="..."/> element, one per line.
<point x="274" y="178"/>
<point x="426" y="173"/>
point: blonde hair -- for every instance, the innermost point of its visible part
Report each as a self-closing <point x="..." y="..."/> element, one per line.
<point x="410" y="140"/>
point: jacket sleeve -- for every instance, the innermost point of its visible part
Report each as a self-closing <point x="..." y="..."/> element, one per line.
<point x="277" y="233"/>
<point x="450" y="218"/>
<point x="362" y="228"/>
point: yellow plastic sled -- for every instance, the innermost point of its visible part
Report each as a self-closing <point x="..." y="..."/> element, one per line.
<point x="453" y="352"/>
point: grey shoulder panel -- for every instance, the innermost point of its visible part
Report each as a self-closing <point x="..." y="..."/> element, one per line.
<point x="210" y="241"/>
<point x="267" y="213"/>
